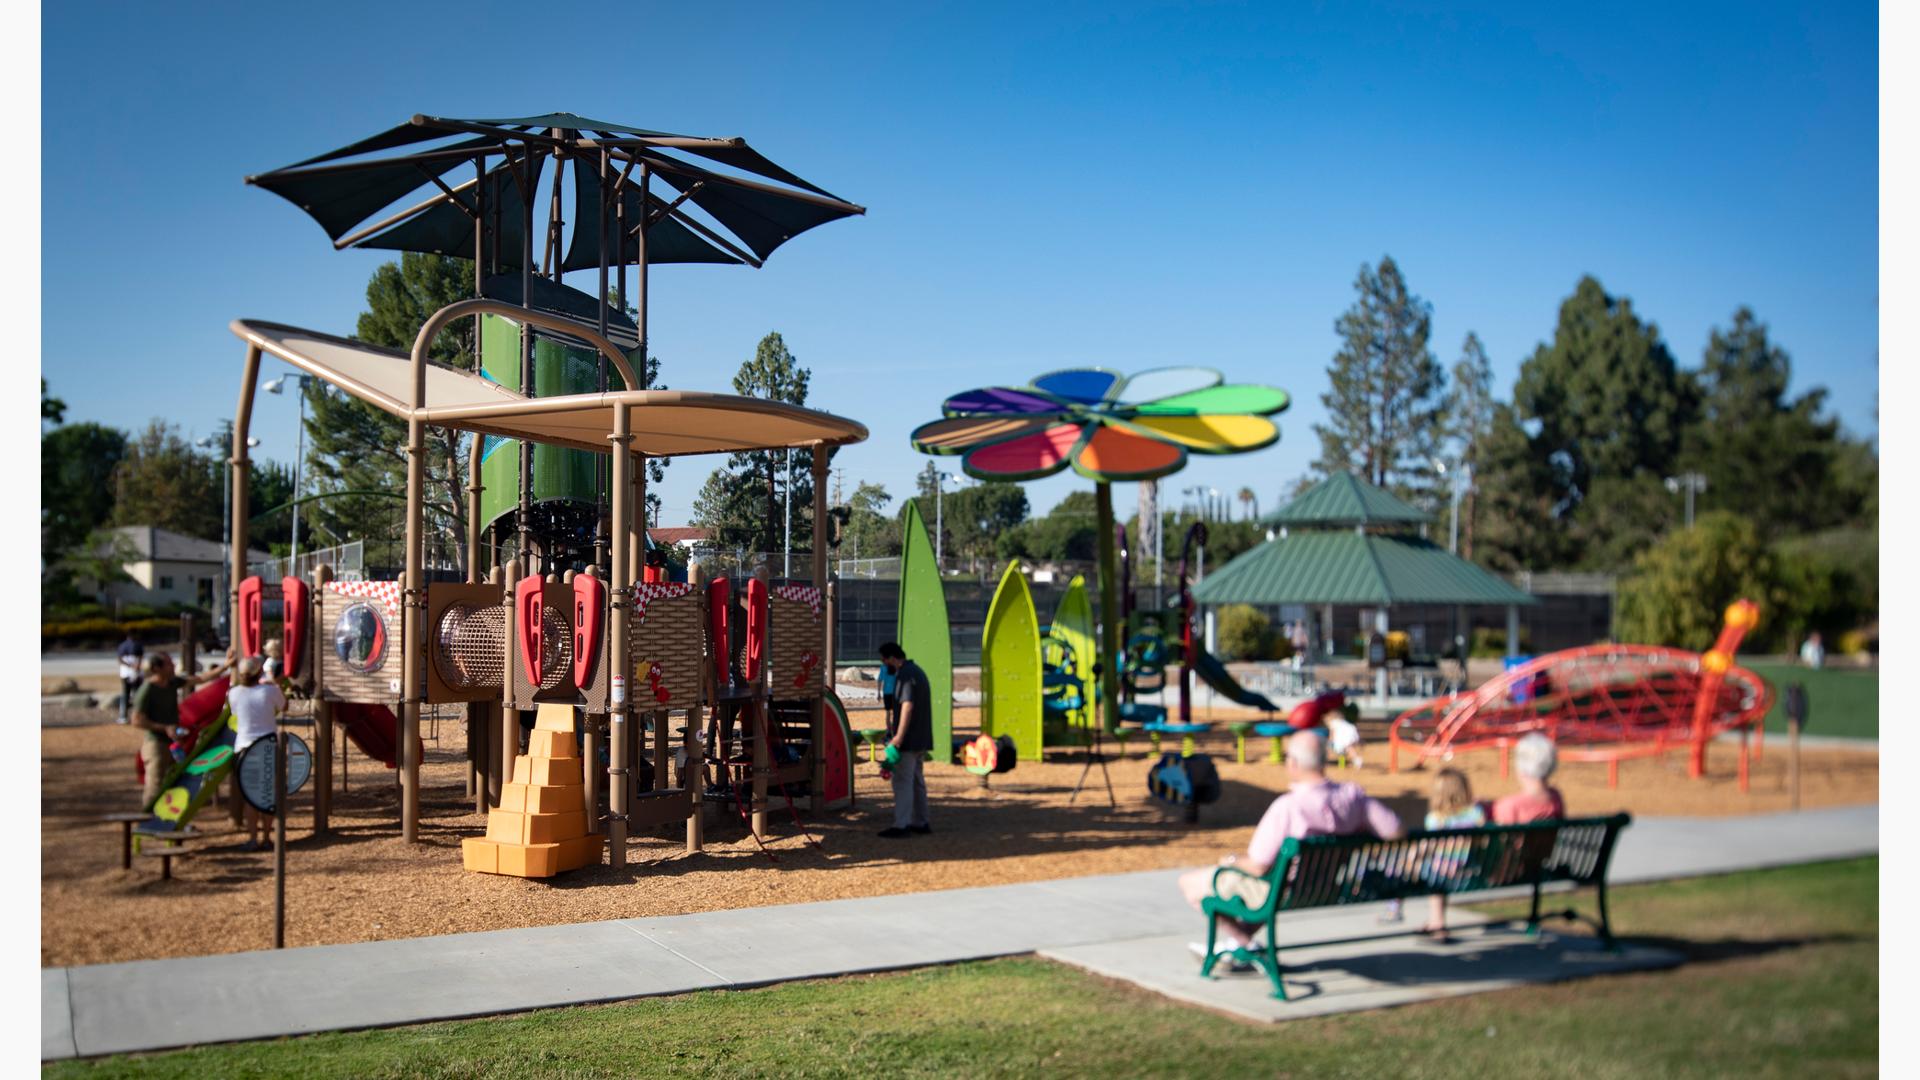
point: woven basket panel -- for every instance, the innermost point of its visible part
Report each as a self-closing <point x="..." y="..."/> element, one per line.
<point x="669" y="639"/>
<point x="797" y="636"/>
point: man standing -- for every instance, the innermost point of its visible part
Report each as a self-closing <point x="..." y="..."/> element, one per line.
<point x="156" y="711"/>
<point x="130" y="654"/>
<point x="912" y="737"/>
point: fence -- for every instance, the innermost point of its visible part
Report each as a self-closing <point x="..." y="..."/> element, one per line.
<point x="349" y="562"/>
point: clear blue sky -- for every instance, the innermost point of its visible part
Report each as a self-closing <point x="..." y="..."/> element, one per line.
<point x="1048" y="185"/>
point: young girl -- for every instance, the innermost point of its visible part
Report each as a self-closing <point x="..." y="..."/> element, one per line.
<point x="1449" y="806"/>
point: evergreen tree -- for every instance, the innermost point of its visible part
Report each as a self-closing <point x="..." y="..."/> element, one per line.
<point x="1598" y="415"/>
<point x="1778" y="460"/>
<point x="744" y="501"/>
<point x="355" y="447"/>
<point x="1384" y="407"/>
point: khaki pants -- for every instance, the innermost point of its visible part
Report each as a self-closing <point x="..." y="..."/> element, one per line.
<point x="159" y="761"/>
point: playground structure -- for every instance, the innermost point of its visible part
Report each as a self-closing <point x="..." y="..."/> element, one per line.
<point x="1604" y="703"/>
<point x="561" y="418"/>
<point x="1109" y="427"/>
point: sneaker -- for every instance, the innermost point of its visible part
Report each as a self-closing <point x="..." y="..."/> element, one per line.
<point x="893" y="833"/>
<point x="1225" y="952"/>
<point x="923" y="830"/>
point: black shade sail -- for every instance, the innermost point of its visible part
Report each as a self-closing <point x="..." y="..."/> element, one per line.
<point x="426" y="198"/>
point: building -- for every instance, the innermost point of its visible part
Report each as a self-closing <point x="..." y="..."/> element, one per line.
<point x="167" y="567"/>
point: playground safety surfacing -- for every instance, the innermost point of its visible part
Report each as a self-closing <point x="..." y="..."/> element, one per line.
<point x="1351" y="975"/>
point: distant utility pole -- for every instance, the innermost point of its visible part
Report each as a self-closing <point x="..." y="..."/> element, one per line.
<point x="1692" y="483"/>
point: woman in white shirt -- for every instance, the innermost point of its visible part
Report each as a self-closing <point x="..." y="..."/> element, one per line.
<point x="257" y="705"/>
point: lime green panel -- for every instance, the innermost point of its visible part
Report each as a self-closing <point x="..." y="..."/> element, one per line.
<point x="923" y="627"/>
<point x="1010" y="698"/>
<point x="1073" y="624"/>
<point x="1241" y="398"/>
<point x="559" y="369"/>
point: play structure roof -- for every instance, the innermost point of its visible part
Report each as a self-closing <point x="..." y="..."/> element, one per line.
<point x="665" y="422"/>
<point x="1345" y="499"/>
<point x="464" y="167"/>
<point x="1345" y="567"/>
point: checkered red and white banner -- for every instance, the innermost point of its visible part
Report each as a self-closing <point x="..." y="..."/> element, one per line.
<point x="800" y="594"/>
<point x="385" y="593"/>
<point x="644" y="593"/>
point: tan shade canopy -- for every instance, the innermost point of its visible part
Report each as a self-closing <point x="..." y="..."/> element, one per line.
<point x="666" y="423"/>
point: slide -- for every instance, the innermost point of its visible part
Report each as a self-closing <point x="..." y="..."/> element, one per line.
<point x="373" y="728"/>
<point x="1215" y="673"/>
<point x="209" y="757"/>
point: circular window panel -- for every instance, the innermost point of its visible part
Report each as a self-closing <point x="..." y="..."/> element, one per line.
<point x="360" y="638"/>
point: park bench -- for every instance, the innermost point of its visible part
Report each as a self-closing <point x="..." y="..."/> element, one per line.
<point x="1331" y="871"/>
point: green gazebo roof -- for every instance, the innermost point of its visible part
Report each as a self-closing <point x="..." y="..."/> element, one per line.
<point x="1345" y="499"/>
<point x="1347" y="567"/>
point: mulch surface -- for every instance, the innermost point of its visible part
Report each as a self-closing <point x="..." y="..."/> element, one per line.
<point x="362" y="883"/>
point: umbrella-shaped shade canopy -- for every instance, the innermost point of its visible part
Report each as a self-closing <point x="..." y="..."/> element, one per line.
<point x="350" y="191"/>
<point x="666" y="423"/>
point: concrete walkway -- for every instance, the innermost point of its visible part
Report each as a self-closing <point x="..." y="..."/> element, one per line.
<point x="117" y="1008"/>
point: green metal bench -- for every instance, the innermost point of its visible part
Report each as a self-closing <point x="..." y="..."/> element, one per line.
<point x="1330" y="871"/>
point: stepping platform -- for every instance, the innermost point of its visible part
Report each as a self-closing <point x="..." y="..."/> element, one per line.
<point x="1363" y="974"/>
<point x="540" y="827"/>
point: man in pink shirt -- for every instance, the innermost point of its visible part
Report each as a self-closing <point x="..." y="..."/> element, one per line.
<point x="1312" y="806"/>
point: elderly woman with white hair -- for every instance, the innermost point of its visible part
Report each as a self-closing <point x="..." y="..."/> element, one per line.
<point x="257" y="704"/>
<point x="1534" y="761"/>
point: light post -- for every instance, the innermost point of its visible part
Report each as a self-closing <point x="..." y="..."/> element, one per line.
<point x="786" y="549"/>
<point x="1459" y="478"/>
<point x="299" y="457"/>
<point x="1690" y="482"/>
<point x="215" y="442"/>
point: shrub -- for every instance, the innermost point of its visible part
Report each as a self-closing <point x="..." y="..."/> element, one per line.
<point x="1243" y="632"/>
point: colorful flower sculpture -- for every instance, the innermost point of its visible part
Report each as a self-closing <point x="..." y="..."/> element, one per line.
<point x="1107" y="426"/>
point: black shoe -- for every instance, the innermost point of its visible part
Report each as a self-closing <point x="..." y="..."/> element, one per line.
<point x="893" y="833"/>
<point x="921" y="829"/>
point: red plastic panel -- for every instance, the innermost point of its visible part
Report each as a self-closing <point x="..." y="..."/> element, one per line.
<point x="528" y="608"/>
<point x="755" y="658"/>
<point x="719" y="605"/>
<point x="249" y="628"/>
<point x="589" y="605"/>
<point x="296" y="604"/>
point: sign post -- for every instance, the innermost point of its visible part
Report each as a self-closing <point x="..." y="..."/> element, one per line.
<point x="269" y="771"/>
<point x="1796" y="719"/>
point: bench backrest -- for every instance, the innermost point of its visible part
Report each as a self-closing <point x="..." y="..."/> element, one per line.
<point x="1323" y="871"/>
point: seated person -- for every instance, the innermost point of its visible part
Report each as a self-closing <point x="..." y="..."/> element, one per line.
<point x="1534" y="760"/>
<point x="1312" y="806"/>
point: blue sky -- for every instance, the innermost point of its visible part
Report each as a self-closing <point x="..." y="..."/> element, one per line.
<point x="1048" y="186"/>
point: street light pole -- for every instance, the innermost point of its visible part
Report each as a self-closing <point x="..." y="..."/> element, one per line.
<point x="1690" y="482"/>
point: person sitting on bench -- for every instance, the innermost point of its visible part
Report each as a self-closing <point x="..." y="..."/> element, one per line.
<point x="1534" y="760"/>
<point x="1312" y="806"/>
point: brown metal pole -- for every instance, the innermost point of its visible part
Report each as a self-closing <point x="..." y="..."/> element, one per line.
<point x="322" y="709"/>
<point x="478" y="715"/>
<point x="619" y="786"/>
<point x="414" y="594"/>
<point x="817" y="721"/>
<point x="237" y="477"/>
<point x="509" y="730"/>
<point x="525" y="553"/>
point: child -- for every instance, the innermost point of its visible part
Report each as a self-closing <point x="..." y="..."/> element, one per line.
<point x="1343" y="735"/>
<point x="1449" y="806"/>
<point x="273" y="666"/>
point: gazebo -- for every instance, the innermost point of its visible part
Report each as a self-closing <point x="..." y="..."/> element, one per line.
<point x="1345" y="541"/>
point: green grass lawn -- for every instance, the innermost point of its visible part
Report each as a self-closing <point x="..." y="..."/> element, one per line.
<point x="1839" y="702"/>
<point x="1782" y="981"/>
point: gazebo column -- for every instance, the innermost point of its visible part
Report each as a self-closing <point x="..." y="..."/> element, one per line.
<point x="1380" y="673"/>
<point x="1513" y="629"/>
<point x="1326" y="630"/>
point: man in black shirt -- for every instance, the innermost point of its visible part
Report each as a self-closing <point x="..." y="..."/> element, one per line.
<point x="911" y="737"/>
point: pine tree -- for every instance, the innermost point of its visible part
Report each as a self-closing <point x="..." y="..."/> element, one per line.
<point x="743" y="502"/>
<point x="1384" y="408"/>
<point x="355" y="447"/>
